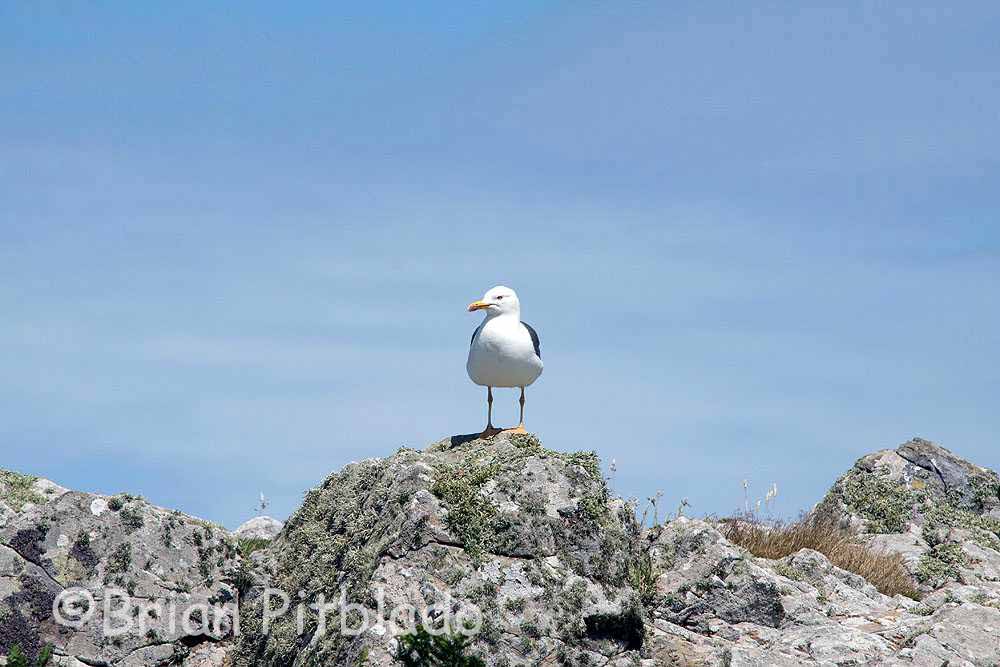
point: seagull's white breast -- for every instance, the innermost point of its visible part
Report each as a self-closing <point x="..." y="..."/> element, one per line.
<point x="502" y="354"/>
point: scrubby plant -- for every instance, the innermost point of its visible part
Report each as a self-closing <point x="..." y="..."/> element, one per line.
<point x="594" y="508"/>
<point x="116" y="503"/>
<point x="16" y="658"/>
<point x="470" y="514"/>
<point x="940" y="564"/>
<point x="120" y="559"/>
<point x="843" y="547"/>
<point x="131" y="519"/>
<point x="884" y="503"/>
<point x="17" y="490"/>
<point x="422" y="649"/>
<point x="942" y="516"/>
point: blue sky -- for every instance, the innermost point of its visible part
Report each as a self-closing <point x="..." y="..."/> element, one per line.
<point x="237" y="242"/>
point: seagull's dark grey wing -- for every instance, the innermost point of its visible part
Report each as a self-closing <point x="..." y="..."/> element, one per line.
<point x="472" y="340"/>
<point x="534" y="339"/>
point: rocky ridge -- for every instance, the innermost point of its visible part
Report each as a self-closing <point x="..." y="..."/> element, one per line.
<point x="528" y="543"/>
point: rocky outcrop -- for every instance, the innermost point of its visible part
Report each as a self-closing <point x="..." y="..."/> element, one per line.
<point x="938" y="510"/>
<point x="504" y="534"/>
<point x="523" y="549"/>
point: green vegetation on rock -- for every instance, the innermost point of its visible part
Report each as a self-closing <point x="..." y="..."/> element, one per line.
<point x="642" y="577"/>
<point x="471" y="515"/>
<point x="131" y="519"/>
<point x="422" y="649"/>
<point x="120" y="559"/>
<point x="942" y="516"/>
<point x="885" y="504"/>
<point x="248" y="545"/>
<point x="445" y="519"/>
<point x="16" y="658"/>
<point x="17" y="490"/>
<point x="940" y="564"/>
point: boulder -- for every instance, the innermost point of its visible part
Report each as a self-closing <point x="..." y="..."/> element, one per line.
<point x="259" y="528"/>
<point x="521" y="541"/>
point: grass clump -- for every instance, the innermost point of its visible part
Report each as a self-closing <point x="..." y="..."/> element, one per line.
<point x="248" y="545"/>
<point x="887" y="572"/>
<point x="18" y="490"/>
<point x="642" y="576"/>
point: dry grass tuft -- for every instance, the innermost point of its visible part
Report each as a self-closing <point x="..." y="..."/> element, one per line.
<point x="843" y="548"/>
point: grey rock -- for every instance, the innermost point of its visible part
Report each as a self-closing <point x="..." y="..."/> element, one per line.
<point x="259" y="528"/>
<point x="969" y="630"/>
<point x="91" y="544"/>
<point x="963" y="484"/>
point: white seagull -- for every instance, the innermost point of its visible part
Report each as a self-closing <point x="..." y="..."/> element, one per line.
<point x="504" y="351"/>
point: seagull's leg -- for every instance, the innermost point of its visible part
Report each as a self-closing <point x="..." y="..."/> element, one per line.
<point x="490" y="430"/>
<point x="520" y="427"/>
<point x="489" y="409"/>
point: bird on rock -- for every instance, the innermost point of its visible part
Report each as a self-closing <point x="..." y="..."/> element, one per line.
<point x="504" y="351"/>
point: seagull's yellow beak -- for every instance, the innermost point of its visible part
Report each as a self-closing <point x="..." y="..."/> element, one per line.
<point x="478" y="305"/>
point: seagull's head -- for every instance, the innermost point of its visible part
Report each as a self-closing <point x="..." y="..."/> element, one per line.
<point x="498" y="301"/>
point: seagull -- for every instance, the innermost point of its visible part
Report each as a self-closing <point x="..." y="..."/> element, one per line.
<point x="504" y="351"/>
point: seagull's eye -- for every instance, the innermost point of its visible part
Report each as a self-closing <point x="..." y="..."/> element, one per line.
<point x="499" y="297"/>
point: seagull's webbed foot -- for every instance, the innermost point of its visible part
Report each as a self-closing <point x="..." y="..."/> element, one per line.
<point x="517" y="429"/>
<point x="490" y="432"/>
